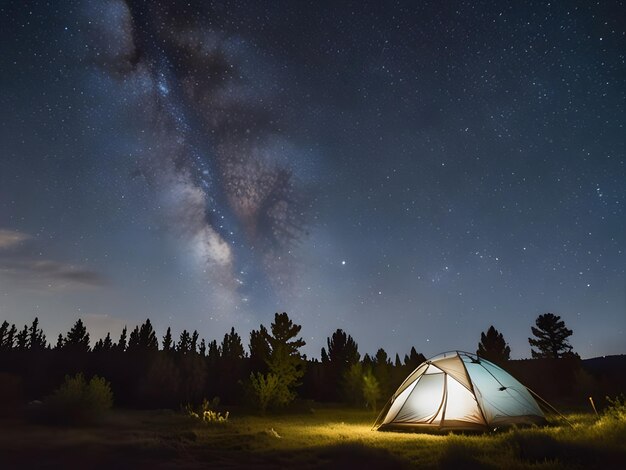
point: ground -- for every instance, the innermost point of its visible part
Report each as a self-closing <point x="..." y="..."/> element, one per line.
<point x="318" y="438"/>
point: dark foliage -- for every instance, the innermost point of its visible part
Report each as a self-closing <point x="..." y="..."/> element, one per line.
<point x="493" y="347"/>
<point x="259" y="350"/>
<point x="77" y="339"/>
<point x="168" y="343"/>
<point x="142" y="376"/>
<point x="343" y="352"/>
<point x="143" y="338"/>
<point x="550" y="337"/>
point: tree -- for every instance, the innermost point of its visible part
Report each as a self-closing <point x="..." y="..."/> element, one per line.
<point x="21" y="340"/>
<point x="353" y="384"/>
<point x="550" y="337"/>
<point x="213" y="352"/>
<point x="121" y="344"/>
<point x="342" y="349"/>
<point x="194" y="341"/>
<point x="284" y="361"/>
<point x="7" y="336"/>
<point x="371" y="390"/>
<point x="397" y="363"/>
<point x="382" y="370"/>
<point x="168" y="344"/>
<point x="36" y="336"/>
<point x="493" y="347"/>
<point x="413" y="359"/>
<point x="77" y="339"/>
<point x="184" y="343"/>
<point x="343" y="352"/>
<point x="103" y="345"/>
<point x="133" y="340"/>
<point x="259" y="350"/>
<point x="147" y="337"/>
<point x="232" y="348"/>
<point x="108" y="343"/>
<point x="264" y="388"/>
<point x="143" y="339"/>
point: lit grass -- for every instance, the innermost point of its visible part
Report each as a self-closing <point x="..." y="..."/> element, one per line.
<point x="327" y="433"/>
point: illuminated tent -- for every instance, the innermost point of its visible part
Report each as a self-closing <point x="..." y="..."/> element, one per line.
<point x="459" y="391"/>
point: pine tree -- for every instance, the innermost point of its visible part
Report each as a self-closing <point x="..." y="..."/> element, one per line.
<point x="184" y="343"/>
<point x="36" y="336"/>
<point x="143" y="338"/>
<point x="324" y="356"/>
<point x="382" y="370"/>
<point x="397" y="362"/>
<point x="342" y="349"/>
<point x="107" y="344"/>
<point x="550" y="337"/>
<point x="168" y="344"/>
<point x="21" y="341"/>
<point x="77" y="339"/>
<point x="121" y="344"/>
<point x="343" y="353"/>
<point x="368" y="361"/>
<point x="194" y="341"/>
<point x="103" y="345"/>
<point x="259" y="350"/>
<point x="493" y="347"/>
<point x="285" y="360"/>
<point x="381" y="358"/>
<point x="214" y="353"/>
<point x="414" y="359"/>
<point x="6" y="336"/>
<point x="147" y="337"/>
<point x="202" y="348"/>
<point x="133" y="340"/>
<point x="231" y="347"/>
<point x="60" y="341"/>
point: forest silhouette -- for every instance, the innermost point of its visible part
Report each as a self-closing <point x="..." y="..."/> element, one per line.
<point x="148" y="371"/>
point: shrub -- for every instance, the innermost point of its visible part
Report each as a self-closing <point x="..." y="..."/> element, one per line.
<point x="206" y="412"/>
<point x="371" y="390"/>
<point x="265" y="389"/>
<point x="616" y="408"/>
<point x="78" y="401"/>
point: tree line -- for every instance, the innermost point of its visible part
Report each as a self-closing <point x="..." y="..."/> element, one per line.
<point x="148" y="371"/>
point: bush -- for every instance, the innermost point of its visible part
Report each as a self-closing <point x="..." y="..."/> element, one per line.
<point x="77" y="401"/>
<point x="616" y="408"/>
<point x="371" y="390"/>
<point x="206" y="412"/>
<point x="265" y="389"/>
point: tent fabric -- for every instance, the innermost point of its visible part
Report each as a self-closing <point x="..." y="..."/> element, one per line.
<point x="459" y="390"/>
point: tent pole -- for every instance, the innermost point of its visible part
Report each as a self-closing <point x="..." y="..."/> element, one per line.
<point x="536" y="395"/>
<point x="480" y="408"/>
<point x="383" y="410"/>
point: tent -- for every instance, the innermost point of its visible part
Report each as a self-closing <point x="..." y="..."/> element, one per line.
<point x="459" y="391"/>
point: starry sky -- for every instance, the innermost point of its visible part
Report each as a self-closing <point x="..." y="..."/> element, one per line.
<point x="410" y="172"/>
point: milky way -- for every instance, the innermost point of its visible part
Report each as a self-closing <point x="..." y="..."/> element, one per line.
<point x="227" y="188"/>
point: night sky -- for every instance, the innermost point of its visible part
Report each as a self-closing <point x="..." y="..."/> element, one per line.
<point x="410" y="172"/>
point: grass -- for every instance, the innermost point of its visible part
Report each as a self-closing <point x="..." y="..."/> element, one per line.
<point x="324" y="438"/>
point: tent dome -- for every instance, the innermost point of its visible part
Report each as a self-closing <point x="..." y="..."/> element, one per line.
<point x="459" y="391"/>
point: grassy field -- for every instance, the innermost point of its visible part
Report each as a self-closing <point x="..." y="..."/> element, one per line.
<point x="321" y="438"/>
